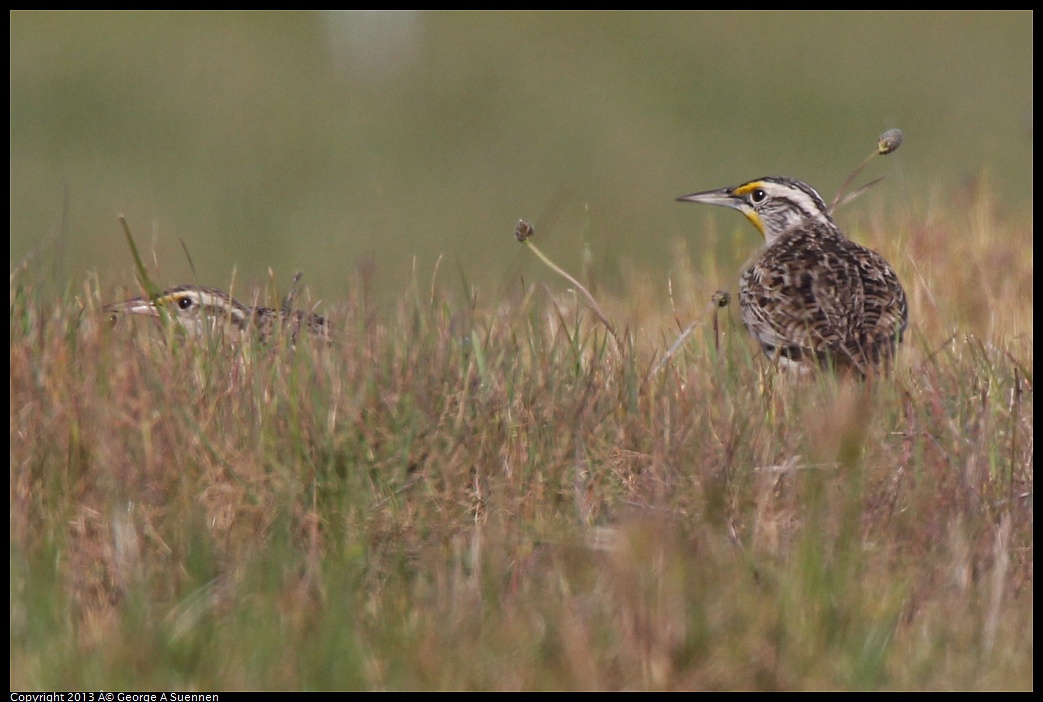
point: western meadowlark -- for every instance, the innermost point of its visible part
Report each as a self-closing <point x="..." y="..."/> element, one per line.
<point x="201" y="309"/>
<point x="811" y="294"/>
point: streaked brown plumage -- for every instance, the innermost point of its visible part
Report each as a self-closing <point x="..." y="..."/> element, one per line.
<point x="201" y="309"/>
<point x="812" y="294"/>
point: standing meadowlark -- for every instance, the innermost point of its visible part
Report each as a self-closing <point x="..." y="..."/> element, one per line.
<point x="811" y="295"/>
<point x="200" y="310"/>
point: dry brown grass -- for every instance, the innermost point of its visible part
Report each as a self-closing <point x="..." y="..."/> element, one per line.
<point x="452" y="497"/>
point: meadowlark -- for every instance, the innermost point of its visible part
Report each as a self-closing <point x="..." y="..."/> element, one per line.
<point x="811" y="295"/>
<point x="203" y="310"/>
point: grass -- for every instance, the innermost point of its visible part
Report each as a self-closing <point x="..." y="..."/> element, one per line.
<point x="471" y="494"/>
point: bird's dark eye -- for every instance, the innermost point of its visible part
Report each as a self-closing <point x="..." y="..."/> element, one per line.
<point x="758" y="196"/>
<point x="184" y="303"/>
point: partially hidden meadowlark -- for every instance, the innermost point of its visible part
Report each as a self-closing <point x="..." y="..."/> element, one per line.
<point x="203" y="310"/>
<point x="811" y="295"/>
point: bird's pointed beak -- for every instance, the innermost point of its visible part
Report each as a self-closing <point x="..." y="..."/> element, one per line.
<point x="727" y="197"/>
<point x="724" y="197"/>
<point x="137" y="305"/>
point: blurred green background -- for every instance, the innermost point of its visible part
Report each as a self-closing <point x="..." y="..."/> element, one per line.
<point x="326" y="141"/>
